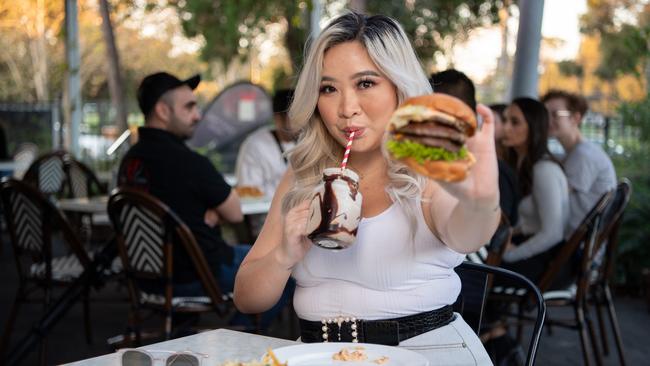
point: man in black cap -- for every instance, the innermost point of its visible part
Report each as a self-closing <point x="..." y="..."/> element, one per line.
<point x="161" y="164"/>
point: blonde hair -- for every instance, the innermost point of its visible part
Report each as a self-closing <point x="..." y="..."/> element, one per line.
<point x="391" y="51"/>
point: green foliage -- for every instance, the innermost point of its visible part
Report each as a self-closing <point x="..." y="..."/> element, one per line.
<point x="622" y="52"/>
<point x="637" y="114"/>
<point x="430" y="22"/>
<point x="625" y="43"/>
<point x="634" y="235"/>
<point x="571" y="68"/>
<point x="229" y="26"/>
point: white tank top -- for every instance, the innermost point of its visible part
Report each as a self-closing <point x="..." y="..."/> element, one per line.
<point x="382" y="275"/>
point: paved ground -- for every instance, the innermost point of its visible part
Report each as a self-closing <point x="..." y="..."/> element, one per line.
<point x="66" y="342"/>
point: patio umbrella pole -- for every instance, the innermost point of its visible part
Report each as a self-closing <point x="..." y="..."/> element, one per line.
<point x="91" y="277"/>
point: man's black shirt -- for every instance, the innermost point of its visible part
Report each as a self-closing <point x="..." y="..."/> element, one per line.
<point x="161" y="164"/>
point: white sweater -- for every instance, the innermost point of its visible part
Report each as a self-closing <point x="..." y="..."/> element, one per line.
<point x="544" y="213"/>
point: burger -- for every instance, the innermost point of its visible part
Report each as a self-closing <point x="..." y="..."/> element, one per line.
<point x="428" y="134"/>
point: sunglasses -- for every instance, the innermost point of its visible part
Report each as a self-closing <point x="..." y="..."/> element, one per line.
<point x="560" y="113"/>
<point x="137" y="357"/>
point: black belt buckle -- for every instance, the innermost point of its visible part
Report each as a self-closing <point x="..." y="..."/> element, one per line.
<point x="380" y="332"/>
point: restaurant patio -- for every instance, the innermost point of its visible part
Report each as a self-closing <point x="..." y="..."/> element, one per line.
<point x="70" y="111"/>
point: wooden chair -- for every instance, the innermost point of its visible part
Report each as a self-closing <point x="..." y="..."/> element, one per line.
<point x="606" y="245"/>
<point x="48" y="174"/>
<point x="147" y="230"/>
<point x="58" y="174"/>
<point x="578" y="247"/>
<point x="475" y="278"/>
<point x="32" y="221"/>
<point x="82" y="181"/>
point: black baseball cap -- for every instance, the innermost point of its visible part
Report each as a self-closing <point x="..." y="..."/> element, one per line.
<point x="155" y="85"/>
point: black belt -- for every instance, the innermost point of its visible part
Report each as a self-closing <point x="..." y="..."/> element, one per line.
<point x="388" y="332"/>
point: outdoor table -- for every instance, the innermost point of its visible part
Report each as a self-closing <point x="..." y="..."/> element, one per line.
<point x="219" y="345"/>
<point x="97" y="205"/>
<point x="7" y="168"/>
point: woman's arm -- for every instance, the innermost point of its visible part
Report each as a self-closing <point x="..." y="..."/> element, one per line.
<point x="549" y="190"/>
<point x="281" y="244"/>
<point x="467" y="213"/>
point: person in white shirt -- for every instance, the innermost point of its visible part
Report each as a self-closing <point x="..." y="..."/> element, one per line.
<point x="261" y="161"/>
<point x="396" y="283"/>
<point x="588" y="169"/>
<point x="544" y="208"/>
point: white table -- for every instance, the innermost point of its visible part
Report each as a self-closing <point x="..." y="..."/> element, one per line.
<point x="7" y="167"/>
<point x="97" y="205"/>
<point x="219" y="345"/>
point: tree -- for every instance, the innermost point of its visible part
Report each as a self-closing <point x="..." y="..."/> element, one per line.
<point x="28" y="32"/>
<point x="114" y="70"/>
<point x="228" y="26"/>
<point x="624" y="29"/>
<point x="436" y="26"/>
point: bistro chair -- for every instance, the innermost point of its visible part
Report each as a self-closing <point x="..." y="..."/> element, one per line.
<point x="147" y="230"/>
<point x="607" y="243"/>
<point x="475" y="279"/>
<point x="24" y="156"/>
<point x="578" y="248"/>
<point x="48" y="173"/>
<point x="33" y="222"/>
<point x="82" y="181"/>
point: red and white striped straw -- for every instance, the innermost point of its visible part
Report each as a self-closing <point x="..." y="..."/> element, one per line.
<point x="344" y="163"/>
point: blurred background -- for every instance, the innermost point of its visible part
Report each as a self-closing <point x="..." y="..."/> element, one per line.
<point x="599" y="48"/>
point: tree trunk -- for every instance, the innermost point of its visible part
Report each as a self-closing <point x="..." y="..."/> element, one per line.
<point x="39" y="55"/>
<point x="115" y="86"/>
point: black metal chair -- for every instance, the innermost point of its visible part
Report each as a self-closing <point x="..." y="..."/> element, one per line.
<point x="606" y="245"/>
<point x="32" y="221"/>
<point x="475" y="279"/>
<point x="147" y="230"/>
<point x="578" y="248"/>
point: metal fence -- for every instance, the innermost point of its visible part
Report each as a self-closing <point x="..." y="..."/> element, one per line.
<point x="37" y="124"/>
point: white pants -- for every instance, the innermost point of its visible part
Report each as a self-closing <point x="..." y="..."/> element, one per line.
<point x="454" y="344"/>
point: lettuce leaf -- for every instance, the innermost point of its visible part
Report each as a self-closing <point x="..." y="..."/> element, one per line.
<point x="406" y="148"/>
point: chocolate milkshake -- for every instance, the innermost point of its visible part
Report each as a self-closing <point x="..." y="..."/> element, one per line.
<point x="335" y="209"/>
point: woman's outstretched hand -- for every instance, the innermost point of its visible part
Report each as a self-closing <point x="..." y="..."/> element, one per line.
<point x="295" y="243"/>
<point x="481" y="187"/>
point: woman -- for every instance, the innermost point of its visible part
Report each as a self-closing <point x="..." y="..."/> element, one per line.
<point x="356" y="73"/>
<point x="544" y="208"/>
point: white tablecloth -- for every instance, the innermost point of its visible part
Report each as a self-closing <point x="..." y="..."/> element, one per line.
<point x="219" y="345"/>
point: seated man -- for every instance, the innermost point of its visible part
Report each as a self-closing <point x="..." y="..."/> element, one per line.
<point x="459" y="85"/>
<point x="161" y="164"/>
<point x="589" y="171"/>
<point x="261" y="162"/>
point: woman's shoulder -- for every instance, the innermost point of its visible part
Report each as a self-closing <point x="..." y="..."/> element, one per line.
<point x="547" y="166"/>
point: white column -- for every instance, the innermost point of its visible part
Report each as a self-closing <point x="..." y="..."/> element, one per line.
<point x="73" y="100"/>
<point x="525" y="75"/>
<point x="315" y="16"/>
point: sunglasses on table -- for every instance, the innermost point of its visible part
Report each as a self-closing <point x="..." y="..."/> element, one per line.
<point x="138" y="357"/>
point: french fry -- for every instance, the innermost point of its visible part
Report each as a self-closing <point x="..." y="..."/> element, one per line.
<point x="275" y="360"/>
